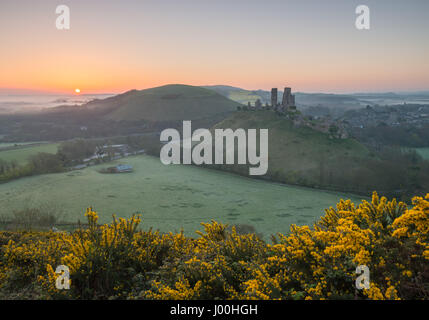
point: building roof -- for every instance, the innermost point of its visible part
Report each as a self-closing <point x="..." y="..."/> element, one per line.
<point x="123" y="167"/>
<point x="114" y="146"/>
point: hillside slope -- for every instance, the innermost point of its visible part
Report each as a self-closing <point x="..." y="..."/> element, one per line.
<point x="166" y="103"/>
<point x="298" y="155"/>
<point x="240" y="95"/>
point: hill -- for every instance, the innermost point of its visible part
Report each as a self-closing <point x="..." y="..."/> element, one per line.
<point x="132" y="112"/>
<point x="241" y="95"/>
<point x="166" y="103"/>
<point x="301" y="155"/>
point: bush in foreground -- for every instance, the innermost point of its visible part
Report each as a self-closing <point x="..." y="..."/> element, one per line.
<point x="118" y="261"/>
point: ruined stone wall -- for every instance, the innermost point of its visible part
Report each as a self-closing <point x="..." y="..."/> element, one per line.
<point x="274" y="97"/>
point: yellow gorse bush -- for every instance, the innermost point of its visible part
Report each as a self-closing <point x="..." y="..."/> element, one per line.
<point x="119" y="261"/>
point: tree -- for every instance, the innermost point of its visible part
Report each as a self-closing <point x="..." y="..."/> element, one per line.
<point x="46" y="163"/>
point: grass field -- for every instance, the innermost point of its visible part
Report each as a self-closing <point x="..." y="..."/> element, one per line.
<point x="424" y="152"/>
<point x="22" y="152"/>
<point x="171" y="197"/>
<point x="15" y="144"/>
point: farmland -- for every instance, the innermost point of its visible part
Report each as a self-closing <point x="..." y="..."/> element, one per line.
<point x="170" y="197"/>
<point x="23" y="151"/>
<point x="423" y="152"/>
<point x="4" y="145"/>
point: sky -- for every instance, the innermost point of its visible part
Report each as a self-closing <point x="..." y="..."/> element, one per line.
<point x="309" y="45"/>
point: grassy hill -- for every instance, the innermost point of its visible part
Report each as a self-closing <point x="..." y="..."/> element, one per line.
<point x="166" y="103"/>
<point x="297" y="155"/>
<point x="241" y="95"/>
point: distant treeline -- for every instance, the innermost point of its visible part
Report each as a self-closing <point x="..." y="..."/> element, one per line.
<point x="401" y="135"/>
<point x="72" y="124"/>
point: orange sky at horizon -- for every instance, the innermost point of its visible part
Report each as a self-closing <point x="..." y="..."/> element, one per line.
<point x="122" y="46"/>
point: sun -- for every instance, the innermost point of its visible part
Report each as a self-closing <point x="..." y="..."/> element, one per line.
<point x="77" y="90"/>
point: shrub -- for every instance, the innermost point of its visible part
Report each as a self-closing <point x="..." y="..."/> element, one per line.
<point x="319" y="262"/>
<point x="42" y="217"/>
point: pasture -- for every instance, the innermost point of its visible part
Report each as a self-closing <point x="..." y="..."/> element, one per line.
<point x="423" y="152"/>
<point x="4" y="145"/>
<point x="170" y="197"/>
<point x="21" y="152"/>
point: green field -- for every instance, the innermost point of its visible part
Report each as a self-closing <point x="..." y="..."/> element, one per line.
<point x="22" y="152"/>
<point x="4" y="145"/>
<point x="423" y="152"/>
<point x="171" y="197"/>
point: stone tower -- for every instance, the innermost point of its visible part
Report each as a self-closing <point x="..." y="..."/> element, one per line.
<point x="258" y="104"/>
<point x="274" y="97"/>
<point x="288" y="99"/>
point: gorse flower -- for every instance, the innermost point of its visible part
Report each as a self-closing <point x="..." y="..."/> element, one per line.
<point x="119" y="261"/>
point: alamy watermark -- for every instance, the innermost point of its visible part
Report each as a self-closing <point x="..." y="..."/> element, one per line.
<point x="362" y="20"/>
<point x="63" y="280"/>
<point x="63" y="20"/>
<point x="197" y="147"/>
<point x="362" y="281"/>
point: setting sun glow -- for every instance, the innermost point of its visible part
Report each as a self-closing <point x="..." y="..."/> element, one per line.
<point x="77" y="90"/>
<point x="326" y="56"/>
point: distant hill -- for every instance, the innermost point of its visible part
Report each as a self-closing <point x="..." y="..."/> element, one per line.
<point x="303" y="100"/>
<point x="315" y="104"/>
<point x="240" y="95"/>
<point x="166" y="103"/>
<point x="332" y="104"/>
<point x="133" y="112"/>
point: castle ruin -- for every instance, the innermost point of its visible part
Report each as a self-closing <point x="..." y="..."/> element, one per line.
<point x="287" y="105"/>
<point x="274" y="97"/>
<point x="287" y="108"/>
<point x="288" y="101"/>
